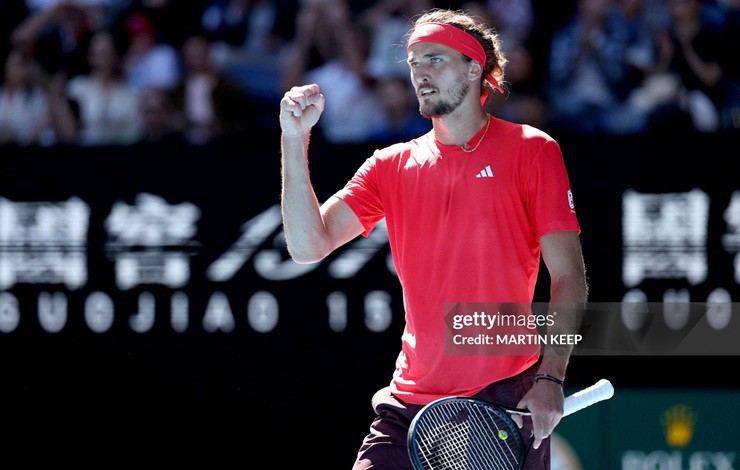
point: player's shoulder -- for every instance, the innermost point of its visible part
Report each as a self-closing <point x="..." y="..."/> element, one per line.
<point x="525" y="133"/>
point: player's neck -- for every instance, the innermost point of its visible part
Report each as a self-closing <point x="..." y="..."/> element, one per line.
<point x="458" y="127"/>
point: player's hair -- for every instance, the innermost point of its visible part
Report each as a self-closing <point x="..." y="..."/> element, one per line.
<point x="486" y="36"/>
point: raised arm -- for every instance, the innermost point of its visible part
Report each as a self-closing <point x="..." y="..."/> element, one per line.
<point x="312" y="231"/>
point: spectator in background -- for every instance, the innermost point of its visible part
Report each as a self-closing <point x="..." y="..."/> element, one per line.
<point x="212" y="108"/>
<point x="651" y="16"/>
<point x="147" y="62"/>
<point x="23" y="102"/>
<point x="35" y="5"/>
<point x="646" y="19"/>
<point x="730" y="112"/>
<point x="388" y="23"/>
<point x="246" y="47"/>
<point x="245" y="25"/>
<point x="524" y="103"/>
<point x="514" y="19"/>
<point x="731" y="9"/>
<point x="11" y="15"/>
<point x="227" y="21"/>
<point x="63" y="119"/>
<point x="109" y="106"/>
<point x="695" y="49"/>
<point x="58" y="36"/>
<point x="160" y="120"/>
<point x="590" y="75"/>
<point x="173" y="20"/>
<point x="325" y="27"/>
<point x="402" y="120"/>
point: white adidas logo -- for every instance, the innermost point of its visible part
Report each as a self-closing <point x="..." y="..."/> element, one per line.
<point x="485" y="173"/>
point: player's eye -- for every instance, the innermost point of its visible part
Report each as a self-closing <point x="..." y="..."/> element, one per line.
<point x="434" y="60"/>
<point x="413" y="65"/>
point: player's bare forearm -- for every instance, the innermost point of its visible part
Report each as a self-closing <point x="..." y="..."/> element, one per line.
<point x="568" y="295"/>
<point x="568" y="298"/>
<point x="302" y="222"/>
<point x="569" y="292"/>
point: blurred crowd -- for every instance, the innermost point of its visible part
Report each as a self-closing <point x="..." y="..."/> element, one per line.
<point x="167" y="72"/>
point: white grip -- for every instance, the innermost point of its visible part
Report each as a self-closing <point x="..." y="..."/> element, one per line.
<point x="601" y="390"/>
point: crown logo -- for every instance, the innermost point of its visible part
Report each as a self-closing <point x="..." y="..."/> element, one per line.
<point x="678" y="425"/>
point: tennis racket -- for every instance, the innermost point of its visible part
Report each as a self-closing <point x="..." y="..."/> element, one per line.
<point x="468" y="433"/>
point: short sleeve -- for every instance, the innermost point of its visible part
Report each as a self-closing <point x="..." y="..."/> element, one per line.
<point x="362" y="194"/>
<point x="550" y="202"/>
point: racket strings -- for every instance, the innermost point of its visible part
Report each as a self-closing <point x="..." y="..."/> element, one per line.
<point x="467" y="436"/>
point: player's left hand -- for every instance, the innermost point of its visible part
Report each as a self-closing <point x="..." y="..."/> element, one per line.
<point x="545" y="401"/>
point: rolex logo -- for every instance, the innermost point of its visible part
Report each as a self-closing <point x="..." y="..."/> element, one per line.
<point x="678" y="425"/>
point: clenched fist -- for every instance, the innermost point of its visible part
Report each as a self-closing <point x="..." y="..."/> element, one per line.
<point x="300" y="109"/>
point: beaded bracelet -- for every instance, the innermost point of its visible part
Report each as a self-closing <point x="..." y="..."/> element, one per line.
<point x="549" y="377"/>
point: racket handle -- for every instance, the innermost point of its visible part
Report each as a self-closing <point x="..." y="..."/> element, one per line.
<point x="601" y="390"/>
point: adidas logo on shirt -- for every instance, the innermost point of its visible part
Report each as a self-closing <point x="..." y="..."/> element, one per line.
<point x="485" y="172"/>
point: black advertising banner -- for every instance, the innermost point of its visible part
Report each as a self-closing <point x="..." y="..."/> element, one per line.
<point x="146" y="294"/>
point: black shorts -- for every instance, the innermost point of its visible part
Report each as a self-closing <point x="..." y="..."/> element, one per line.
<point x="384" y="448"/>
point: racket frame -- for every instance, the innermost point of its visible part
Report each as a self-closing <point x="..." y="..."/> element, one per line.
<point x="599" y="391"/>
<point x="502" y="411"/>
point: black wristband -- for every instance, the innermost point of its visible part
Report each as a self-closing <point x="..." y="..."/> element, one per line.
<point x="549" y="377"/>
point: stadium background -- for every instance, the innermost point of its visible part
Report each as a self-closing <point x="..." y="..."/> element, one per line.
<point x="149" y="310"/>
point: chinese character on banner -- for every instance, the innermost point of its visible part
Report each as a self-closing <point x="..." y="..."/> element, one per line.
<point x="254" y="232"/>
<point x="43" y="242"/>
<point x="664" y="236"/>
<point x="150" y="241"/>
<point x="731" y="240"/>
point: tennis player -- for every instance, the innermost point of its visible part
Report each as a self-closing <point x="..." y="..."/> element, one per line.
<point x="470" y="207"/>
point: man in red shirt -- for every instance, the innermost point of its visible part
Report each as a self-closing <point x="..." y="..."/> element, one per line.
<point x="470" y="208"/>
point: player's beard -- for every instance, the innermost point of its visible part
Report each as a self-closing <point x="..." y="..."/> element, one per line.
<point x="441" y="108"/>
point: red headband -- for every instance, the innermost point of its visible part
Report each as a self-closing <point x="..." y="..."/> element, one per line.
<point x="457" y="39"/>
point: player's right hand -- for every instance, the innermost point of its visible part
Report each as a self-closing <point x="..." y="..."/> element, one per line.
<point x="300" y="109"/>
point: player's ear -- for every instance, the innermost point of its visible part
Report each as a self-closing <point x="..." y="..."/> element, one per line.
<point x="475" y="71"/>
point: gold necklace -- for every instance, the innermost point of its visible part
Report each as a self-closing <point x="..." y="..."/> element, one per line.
<point x="466" y="148"/>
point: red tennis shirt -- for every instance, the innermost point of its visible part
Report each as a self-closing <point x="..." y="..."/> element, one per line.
<point x="462" y="227"/>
